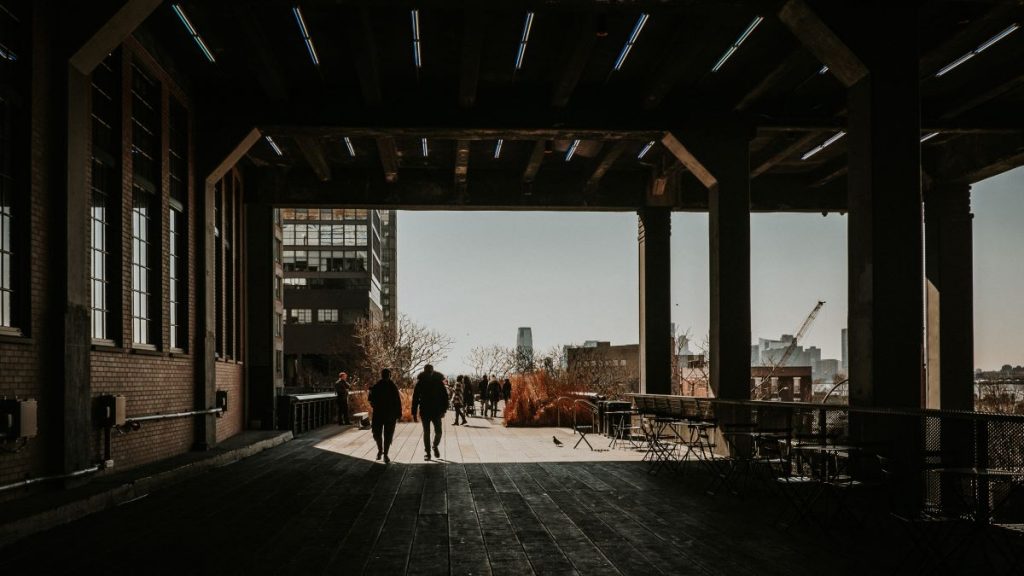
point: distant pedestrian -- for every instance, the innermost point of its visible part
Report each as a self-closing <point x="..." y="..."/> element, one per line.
<point x="467" y="396"/>
<point x="506" y="391"/>
<point x="482" y="390"/>
<point x="457" y="400"/>
<point x="430" y="397"/>
<point x="493" y="395"/>
<point x="341" y="388"/>
<point x="387" y="409"/>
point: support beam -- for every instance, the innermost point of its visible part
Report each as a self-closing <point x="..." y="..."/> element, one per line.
<point x="800" y="144"/>
<point x="687" y="159"/>
<point x="885" y="260"/>
<point x="461" y="163"/>
<point x="473" y="29"/>
<point x="364" y="55"/>
<point x="729" y="231"/>
<point x="313" y="152"/>
<point x="206" y="290"/>
<point x="76" y="341"/>
<point x="261" y="341"/>
<point x="950" y="296"/>
<point x="533" y="165"/>
<point x="996" y="83"/>
<point x="581" y="43"/>
<point x="388" y="158"/>
<point x="618" y="191"/>
<point x="656" y="336"/>
<point x="822" y="42"/>
<point x="998" y="17"/>
<point x="796" y="61"/>
<point x="261" y="58"/>
<point x="111" y="34"/>
<point x="606" y="162"/>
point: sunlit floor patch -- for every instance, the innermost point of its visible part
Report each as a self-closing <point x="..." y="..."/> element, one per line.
<point x="481" y="440"/>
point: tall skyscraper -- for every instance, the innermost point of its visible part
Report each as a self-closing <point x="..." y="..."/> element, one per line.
<point x="524" y="349"/>
<point x="339" y="267"/>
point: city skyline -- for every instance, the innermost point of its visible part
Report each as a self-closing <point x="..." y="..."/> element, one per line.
<point x="496" y="271"/>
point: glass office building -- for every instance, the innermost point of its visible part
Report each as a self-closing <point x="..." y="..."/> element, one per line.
<point x="339" y="267"/>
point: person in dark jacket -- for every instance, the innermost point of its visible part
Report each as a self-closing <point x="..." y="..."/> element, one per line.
<point x="467" y="399"/>
<point x="341" y="387"/>
<point x="506" y="391"/>
<point x="457" y="399"/>
<point x="431" y="398"/>
<point x="387" y="409"/>
<point x="482" y="390"/>
<point x="493" y="395"/>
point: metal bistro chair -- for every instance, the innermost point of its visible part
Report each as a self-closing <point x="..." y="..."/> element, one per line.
<point x="659" y="454"/>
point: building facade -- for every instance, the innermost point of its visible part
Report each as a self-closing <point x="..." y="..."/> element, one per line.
<point x="110" y="284"/>
<point x="340" y="266"/>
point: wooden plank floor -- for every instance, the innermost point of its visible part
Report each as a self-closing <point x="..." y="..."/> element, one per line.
<point x="498" y="501"/>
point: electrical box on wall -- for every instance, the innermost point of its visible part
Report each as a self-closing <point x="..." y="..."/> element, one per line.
<point x="17" y="419"/>
<point x="222" y="400"/>
<point x="111" y="410"/>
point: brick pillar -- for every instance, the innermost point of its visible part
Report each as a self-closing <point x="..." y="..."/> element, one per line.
<point x="655" y="301"/>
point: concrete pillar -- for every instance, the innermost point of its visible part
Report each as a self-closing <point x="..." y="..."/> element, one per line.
<point x="259" y="282"/>
<point x="884" y="195"/>
<point x="729" y="229"/>
<point x="655" y="301"/>
<point x="950" y="296"/>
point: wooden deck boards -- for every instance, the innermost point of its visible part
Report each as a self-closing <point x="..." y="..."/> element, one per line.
<point x="498" y="501"/>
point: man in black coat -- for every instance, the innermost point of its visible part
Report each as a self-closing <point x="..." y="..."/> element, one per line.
<point x="431" y="397"/>
<point x="482" y="389"/>
<point x="387" y="409"/>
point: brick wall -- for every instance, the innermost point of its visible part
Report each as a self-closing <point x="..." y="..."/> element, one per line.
<point x="154" y="381"/>
<point x="24" y="360"/>
<point x="230" y="377"/>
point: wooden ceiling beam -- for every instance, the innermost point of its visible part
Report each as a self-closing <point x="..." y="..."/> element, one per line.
<point x="617" y="191"/>
<point x="461" y="163"/>
<point x="994" y="86"/>
<point x="364" y="55"/>
<point x="607" y="160"/>
<point x="581" y="44"/>
<point x="801" y="144"/>
<point x="822" y="42"/>
<point x="533" y="165"/>
<point x="790" y="64"/>
<point x="113" y="32"/>
<point x="388" y="152"/>
<point x="313" y="151"/>
<point x="260" y="57"/>
<point x="474" y="26"/>
<point x="687" y="159"/>
<point x="970" y="37"/>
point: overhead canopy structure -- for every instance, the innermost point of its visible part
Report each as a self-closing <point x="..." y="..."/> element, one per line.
<point x="565" y="104"/>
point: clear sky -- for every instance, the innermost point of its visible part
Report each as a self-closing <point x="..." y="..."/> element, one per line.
<point x="572" y="276"/>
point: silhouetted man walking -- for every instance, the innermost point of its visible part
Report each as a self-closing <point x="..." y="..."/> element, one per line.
<point x="431" y="398"/>
<point x="387" y="409"/>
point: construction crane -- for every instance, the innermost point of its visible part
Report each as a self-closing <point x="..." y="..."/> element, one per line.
<point x="797" y="338"/>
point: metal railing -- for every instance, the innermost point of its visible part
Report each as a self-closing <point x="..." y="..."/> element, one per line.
<point x="304" y="412"/>
<point x="919" y="441"/>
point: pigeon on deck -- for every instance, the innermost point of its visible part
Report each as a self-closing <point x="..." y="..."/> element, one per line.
<point x="557" y="441"/>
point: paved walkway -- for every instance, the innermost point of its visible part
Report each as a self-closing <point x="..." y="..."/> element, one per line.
<point x="499" y="501"/>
